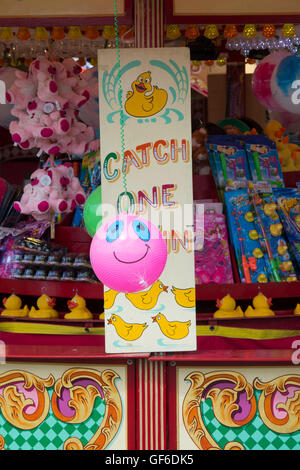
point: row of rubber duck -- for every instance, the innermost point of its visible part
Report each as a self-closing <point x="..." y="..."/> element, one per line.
<point x="45" y="308"/>
<point x="260" y="308"/>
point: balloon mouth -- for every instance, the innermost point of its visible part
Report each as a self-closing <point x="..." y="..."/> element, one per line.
<point x="135" y="261"/>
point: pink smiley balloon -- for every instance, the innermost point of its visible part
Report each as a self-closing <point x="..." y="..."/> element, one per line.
<point x="128" y="253"/>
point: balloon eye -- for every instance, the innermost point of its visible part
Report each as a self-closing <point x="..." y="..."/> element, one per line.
<point x="114" y="231"/>
<point x="141" y="79"/>
<point x="147" y="80"/>
<point x="141" y="230"/>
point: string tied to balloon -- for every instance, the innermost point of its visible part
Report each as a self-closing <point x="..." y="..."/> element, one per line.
<point x="120" y="96"/>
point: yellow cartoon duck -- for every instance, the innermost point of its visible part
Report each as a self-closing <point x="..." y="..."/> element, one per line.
<point x="261" y="307"/>
<point x="145" y="100"/>
<point x="185" y="297"/>
<point x="147" y="300"/>
<point x="297" y="310"/>
<point x="127" y="331"/>
<point x="109" y="298"/>
<point x="78" y="308"/>
<point x="13" y="307"/>
<point x="45" y="306"/>
<point x="172" y="329"/>
<point x="227" y="308"/>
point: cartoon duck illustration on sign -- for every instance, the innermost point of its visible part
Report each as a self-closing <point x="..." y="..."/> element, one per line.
<point x="185" y="297"/>
<point x="145" y="100"/>
<point x="147" y="300"/>
<point x="172" y="329"/>
<point x="109" y="298"/>
<point x="127" y="331"/>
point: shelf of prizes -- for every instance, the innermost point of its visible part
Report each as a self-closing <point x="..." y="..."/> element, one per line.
<point x="53" y="351"/>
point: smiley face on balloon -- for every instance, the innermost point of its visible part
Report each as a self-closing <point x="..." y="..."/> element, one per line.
<point x="128" y="253"/>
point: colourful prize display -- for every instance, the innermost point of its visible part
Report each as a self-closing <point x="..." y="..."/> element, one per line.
<point x="128" y="253"/>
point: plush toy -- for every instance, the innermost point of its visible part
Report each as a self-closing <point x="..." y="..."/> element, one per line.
<point x="50" y="191"/>
<point x="46" y="104"/>
<point x="288" y="153"/>
<point x="35" y="199"/>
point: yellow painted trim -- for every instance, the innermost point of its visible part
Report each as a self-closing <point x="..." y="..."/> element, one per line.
<point x="47" y="329"/>
<point x="203" y="330"/>
<point x="245" y="333"/>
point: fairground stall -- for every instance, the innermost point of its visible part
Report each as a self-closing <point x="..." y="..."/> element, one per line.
<point x="149" y="222"/>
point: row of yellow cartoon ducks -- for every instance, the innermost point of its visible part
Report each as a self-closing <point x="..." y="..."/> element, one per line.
<point x="45" y="308"/>
<point x="261" y="308"/>
<point x="147" y="299"/>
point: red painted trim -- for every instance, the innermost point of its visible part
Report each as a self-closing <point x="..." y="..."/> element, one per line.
<point x="127" y="18"/>
<point x="224" y="19"/>
<point x="149" y="400"/>
<point x="53" y="288"/>
<point x="229" y="356"/>
<point x="171" y="418"/>
<point x="142" y="411"/>
<point x="275" y="290"/>
<point x="131" y="407"/>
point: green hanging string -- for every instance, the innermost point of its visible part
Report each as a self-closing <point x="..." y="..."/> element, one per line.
<point x="120" y="94"/>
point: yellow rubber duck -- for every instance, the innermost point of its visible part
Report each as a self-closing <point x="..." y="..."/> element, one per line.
<point x="45" y="306"/>
<point x="227" y="308"/>
<point x="261" y="307"/>
<point x="147" y="300"/>
<point x="297" y="310"/>
<point x="145" y="100"/>
<point x="127" y="331"/>
<point x="13" y="307"/>
<point x="101" y="316"/>
<point x="172" y="329"/>
<point x="78" y="308"/>
<point x="185" y="297"/>
<point x="109" y="298"/>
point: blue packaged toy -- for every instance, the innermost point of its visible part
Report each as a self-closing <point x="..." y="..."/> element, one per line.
<point x="245" y="238"/>
<point x="288" y="202"/>
<point x="228" y="161"/>
<point x="263" y="160"/>
<point x="261" y="247"/>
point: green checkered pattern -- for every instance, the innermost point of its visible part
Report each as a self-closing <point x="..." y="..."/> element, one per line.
<point x="52" y="433"/>
<point x="253" y="436"/>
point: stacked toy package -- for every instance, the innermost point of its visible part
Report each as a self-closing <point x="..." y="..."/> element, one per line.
<point x="237" y="159"/>
<point x="228" y="161"/>
<point x="261" y="247"/>
<point x="263" y="159"/>
<point x="288" y="203"/>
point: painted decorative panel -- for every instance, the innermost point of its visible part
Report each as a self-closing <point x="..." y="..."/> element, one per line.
<point x="254" y="408"/>
<point x="33" y="8"/>
<point x="51" y="407"/>
<point x="234" y="7"/>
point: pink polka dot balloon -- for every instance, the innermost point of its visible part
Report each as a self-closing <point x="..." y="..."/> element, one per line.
<point x="128" y="253"/>
<point x="261" y="81"/>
